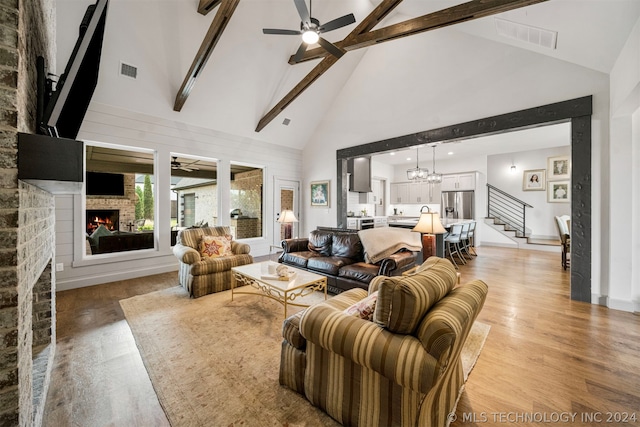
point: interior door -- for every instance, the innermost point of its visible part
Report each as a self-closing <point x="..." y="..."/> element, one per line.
<point x="286" y="197"/>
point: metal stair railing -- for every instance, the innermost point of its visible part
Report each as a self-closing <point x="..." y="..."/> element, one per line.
<point x="508" y="210"/>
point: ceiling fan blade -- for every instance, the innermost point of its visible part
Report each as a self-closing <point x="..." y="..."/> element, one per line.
<point x="281" y="32"/>
<point x="186" y="169"/>
<point x="337" y="23"/>
<point x="302" y="10"/>
<point x="300" y="52"/>
<point x="331" y="48"/>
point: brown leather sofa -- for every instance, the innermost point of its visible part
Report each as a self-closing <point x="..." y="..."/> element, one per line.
<point x="338" y="254"/>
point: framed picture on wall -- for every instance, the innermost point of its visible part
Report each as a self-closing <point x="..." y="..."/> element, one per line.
<point x="559" y="168"/>
<point x="559" y="191"/>
<point x="320" y="193"/>
<point x="534" y="180"/>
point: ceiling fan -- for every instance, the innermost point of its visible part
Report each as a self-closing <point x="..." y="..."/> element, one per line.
<point x="175" y="164"/>
<point x="310" y="30"/>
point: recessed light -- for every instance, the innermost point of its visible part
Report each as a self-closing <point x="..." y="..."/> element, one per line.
<point x="450" y="153"/>
<point x="408" y="158"/>
<point x="392" y="153"/>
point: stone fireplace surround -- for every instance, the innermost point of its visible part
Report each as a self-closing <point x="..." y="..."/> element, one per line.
<point x="27" y="218"/>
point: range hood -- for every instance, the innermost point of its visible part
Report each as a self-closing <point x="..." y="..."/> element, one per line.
<point x="359" y="170"/>
<point x="52" y="164"/>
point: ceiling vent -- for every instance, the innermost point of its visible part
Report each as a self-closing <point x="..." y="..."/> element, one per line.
<point x="526" y="33"/>
<point x="128" y="70"/>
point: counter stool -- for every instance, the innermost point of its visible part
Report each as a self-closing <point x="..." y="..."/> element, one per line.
<point x="452" y="244"/>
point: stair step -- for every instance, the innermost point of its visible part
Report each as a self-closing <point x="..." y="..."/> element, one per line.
<point x="547" y="242"/>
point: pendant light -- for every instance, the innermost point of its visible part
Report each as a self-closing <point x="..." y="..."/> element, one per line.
<point x="434" y="178"/>
<point x="417" y="173"/>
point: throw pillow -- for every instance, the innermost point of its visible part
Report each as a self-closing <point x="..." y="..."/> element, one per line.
<point x="99" y="232"/>
<point x="404" y="300"/>
<point x="215" y="246"/>
<point x="364" y="308"/>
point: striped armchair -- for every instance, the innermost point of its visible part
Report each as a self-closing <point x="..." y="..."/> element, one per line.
<point x="202" y="276"/>
<point x="401" y="369"/>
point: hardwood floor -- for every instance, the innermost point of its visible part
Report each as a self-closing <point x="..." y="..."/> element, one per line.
<point x="546" y="356"/>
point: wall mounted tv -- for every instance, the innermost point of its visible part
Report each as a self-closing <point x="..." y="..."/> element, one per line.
<point x="62" y="110"/>
<point x="104" y="184"/>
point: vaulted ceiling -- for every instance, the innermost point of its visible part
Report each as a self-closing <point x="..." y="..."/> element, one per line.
<point x="248" y="73"/>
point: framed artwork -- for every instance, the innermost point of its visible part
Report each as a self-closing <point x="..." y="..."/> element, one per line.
<point x="559" y="168"/>
<point x="534" y="180"/>
<point x="559" y="191"/>
<point x="320" y="193"/>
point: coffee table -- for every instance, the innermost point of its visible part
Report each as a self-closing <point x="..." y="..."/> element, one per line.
<point x="285" y="292"/>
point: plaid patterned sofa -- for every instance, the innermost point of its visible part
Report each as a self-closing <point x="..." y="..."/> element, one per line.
<point x="202" y="276"/>
<point x="403" y="367"/>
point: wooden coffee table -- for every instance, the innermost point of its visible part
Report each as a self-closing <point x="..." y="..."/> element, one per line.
<point x="285" y="292"/>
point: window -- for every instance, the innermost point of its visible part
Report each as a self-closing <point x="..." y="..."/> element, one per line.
<point x="119" y="199"/>
<point x="246" y="201"/>
<point x="194" y="193"/>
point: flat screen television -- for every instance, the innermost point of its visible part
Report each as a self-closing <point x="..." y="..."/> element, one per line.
<point x="104" y="184"/>
<point x="67" y="105"/>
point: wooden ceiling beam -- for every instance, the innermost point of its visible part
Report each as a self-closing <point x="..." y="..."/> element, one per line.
<point x="220" y="21"/>
<point x="206" y="6"/>
<point x="367" y="24"/>
<point x="453" y="15"/>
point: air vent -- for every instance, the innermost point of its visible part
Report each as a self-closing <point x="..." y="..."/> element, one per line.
<point x="128" y="70"/>
<point x="286" y="122"/>
<point x="526" y="33"/>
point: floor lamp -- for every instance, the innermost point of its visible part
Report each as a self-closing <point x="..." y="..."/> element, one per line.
<point x="287" y="217"/>
<point x="429" y="224"/>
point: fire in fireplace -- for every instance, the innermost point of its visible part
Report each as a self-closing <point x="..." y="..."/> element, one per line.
<point x="107" y="217"/>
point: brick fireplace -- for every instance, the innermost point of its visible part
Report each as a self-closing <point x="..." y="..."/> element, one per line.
<point x="27" y="218"/>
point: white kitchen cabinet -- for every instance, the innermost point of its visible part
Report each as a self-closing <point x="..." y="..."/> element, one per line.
<point x="415" y="192"/>
<point x="459" y="182"/>
<point x="380" y="221"/>
<point x="399" y="192"/>
<point x="352" y="223"/>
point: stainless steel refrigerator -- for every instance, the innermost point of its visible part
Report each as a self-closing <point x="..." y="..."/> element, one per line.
<point x="457" y="205"/>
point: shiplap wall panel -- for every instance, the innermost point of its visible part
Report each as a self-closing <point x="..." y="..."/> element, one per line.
<point x="112" y="125"/>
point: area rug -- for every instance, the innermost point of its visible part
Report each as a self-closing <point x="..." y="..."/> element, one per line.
<point x="215" y="362"/>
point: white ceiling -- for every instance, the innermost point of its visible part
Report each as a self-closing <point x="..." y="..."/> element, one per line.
<point x="248" y="71"/>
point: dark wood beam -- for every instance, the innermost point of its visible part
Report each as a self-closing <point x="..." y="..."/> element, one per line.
<point x="207" y="6"/>
<point x="453" y="15"/>
<point x="216" y="29"/>
<point x="366" y="25"/>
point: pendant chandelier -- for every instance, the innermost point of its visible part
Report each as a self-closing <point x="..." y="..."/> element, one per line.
<point x="434" y="178"/>
<point x="417" y="173"/>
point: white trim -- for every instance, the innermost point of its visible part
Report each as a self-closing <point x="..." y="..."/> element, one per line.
<point x="98" y="279"/>
<point x="623" y="305"/>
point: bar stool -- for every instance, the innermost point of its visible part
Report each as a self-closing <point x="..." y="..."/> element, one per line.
<point x="471" y="244"/>
<point x="464" y="239"/>
<point x="452" y="244"/>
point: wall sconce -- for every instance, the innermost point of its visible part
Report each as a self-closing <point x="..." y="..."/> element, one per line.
<point x="429" y="224"/>
<point x="513" y="168"/>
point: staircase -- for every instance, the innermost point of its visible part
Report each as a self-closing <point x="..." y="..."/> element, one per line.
<point x="507" y="214"/>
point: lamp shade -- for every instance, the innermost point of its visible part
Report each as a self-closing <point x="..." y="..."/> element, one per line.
<point x="429" y="223"/>
<point x="287" y="216"/>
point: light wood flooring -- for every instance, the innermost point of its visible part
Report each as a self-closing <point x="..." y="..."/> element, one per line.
<point x="545" y="356"/>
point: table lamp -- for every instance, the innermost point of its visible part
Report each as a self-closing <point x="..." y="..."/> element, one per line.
<point x="287" y="217"/>
<point x="429" y="224"/>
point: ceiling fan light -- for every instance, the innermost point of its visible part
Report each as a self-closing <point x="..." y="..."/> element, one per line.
<point x="310" y="37"/>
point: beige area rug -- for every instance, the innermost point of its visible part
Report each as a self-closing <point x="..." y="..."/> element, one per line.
<point x="215" y="362"/>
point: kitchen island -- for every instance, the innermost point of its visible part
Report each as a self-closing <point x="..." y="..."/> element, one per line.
<point x="410" y="222"/>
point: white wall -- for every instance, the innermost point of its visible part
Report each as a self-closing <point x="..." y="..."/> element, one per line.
<point x="111" y="125"/>
<point x="623" y="213"/>
<point x="539" y="219"/>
